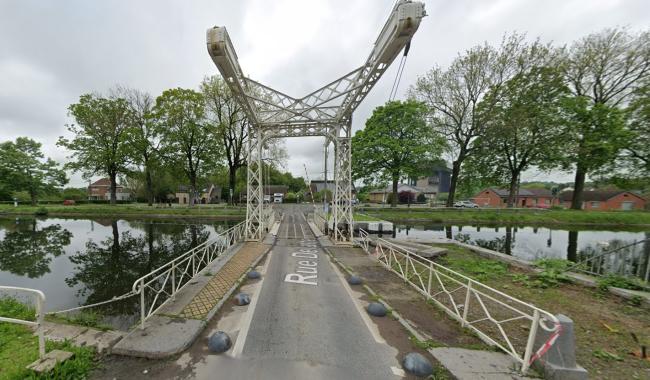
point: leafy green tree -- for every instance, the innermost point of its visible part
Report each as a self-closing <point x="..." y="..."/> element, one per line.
<point x="27" y="250"/>
<point x="638" y="149"/>
<point x="101" y="138"/>
<point x="394" y="144"/>
<point x="144" y="141"/>
<point x="602" y="71"/>
<point x="524" y="126"/>
<point x="452" y="96"/>
<point x="231" y="125"/>
<point x="74" y="193"/>
<point x="25" y="168"/>
<point x="187" y="139"/>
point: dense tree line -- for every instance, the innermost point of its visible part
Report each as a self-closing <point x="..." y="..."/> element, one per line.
<point x="521" y="105"/>
<point x="152" y="144"/>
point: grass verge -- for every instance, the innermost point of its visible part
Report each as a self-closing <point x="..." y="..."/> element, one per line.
<point x="125" y="210"/>
<point x="19" y="348"/>
<point x="528" y="217"/>
<point x="603" y="323"/>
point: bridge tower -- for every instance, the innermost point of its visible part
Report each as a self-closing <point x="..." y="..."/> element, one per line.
<point x="325" y="112"/>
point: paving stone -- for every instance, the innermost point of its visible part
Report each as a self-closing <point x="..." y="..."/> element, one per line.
<point x="223" y="281"/>
<point x="100" y="340"/>
<point x="467" y="364"/>
<point x="49" y="361"/>
<point x="59" y="332"/>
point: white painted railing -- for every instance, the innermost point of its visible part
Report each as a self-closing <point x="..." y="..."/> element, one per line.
<point x="159" y="286"/>
<point x="39" y="302"/>
<point x="495" y="316"/>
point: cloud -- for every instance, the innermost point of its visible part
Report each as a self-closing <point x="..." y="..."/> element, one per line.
<point x="52" y="52"/>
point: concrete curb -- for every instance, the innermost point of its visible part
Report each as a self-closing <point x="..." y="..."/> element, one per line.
<point x="438" y="352"/>
<point x="178" y="333"/>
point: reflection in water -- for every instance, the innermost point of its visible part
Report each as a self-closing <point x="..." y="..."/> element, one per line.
<point x="534" y="243"/>
<point x="618" y="257"/>
<point x="500" y="244"/>
<point x="109" y="268"/>
<point x="81" y="261"/>
<point x="572" y="248"/>
<point x="27" y="250"/>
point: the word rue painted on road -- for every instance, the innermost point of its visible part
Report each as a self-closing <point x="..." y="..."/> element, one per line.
<point x="306" y="272"/>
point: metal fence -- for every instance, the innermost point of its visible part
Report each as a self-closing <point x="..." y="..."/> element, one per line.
<point x="497" y="318"/>
<point x="39" y="302"/>
<point x="156" y="288"/>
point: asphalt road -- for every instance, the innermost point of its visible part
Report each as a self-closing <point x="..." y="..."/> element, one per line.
<point x="302" y="323"/>
<point x="305" y="324"/>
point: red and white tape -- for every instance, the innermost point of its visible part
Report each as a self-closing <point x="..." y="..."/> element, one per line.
<point x="547" y="345"/>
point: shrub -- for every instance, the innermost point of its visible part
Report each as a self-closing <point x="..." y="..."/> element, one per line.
<point x="421" y="198"/>
<point x="406" y="197"/>
<point x="41" y="211"/>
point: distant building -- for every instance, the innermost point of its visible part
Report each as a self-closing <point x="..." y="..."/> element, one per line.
<point x="498" y="198"/>
<point x="318" y="185"/>
<point x="381" y="195"/>
<point x="101" y="190"/>
<point x="438" y="181"/>
<point x="209" y="194"/>
<point x="603" y="200"/>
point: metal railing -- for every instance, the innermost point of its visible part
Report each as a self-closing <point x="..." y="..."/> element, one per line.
<point x="495" y="316"/>
<point x="159" y="286"/>
<point x="39" y="301"/>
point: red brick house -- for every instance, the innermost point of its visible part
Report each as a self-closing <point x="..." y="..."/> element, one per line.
<point x="498" y="198"/>
<point x="603" y="200"/>
<point x="101" y="190"/>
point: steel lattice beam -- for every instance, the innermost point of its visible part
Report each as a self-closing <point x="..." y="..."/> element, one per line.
<point x="326" y="111"/>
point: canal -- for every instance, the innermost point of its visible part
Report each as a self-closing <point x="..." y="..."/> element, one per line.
<point x="535" y="243"/>
<point x="83" y="261"/>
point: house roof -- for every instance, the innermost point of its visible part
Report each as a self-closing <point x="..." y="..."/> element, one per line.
<point x="103" y="182"/>
<point x="503" y="193"/>
<point x="595" y="195"/>
<point x="401" y="186"/>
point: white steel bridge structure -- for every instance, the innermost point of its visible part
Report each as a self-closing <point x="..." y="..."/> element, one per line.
<point x="325" y="112"/>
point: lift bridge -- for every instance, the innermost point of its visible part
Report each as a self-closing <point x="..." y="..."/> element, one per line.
<point x="325" y="112"/>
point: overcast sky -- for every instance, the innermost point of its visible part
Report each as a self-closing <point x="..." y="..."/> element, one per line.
<point x="53" y="51"/>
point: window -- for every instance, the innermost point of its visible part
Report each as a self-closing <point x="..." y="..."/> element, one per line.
<point x="627" y="205"/>
<point x="595" y="204"/>
<point x="547" y="201"/>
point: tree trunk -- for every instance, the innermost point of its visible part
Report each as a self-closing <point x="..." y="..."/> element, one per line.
<point x="513" y="190"/>
<point x="455" y="173"/>
<point x="572" y="249"/>
<point x="115" y="247"/>
<point x="578" y="188"/>
<point x="192" y="189"/>
<point x="149" y="185"/>
<point x="32" y="196"/>
<point x="113" y="178"/>
<point x="507" y="244"/>
<point x="232" y="178"/>
<point x="393" y="202"/>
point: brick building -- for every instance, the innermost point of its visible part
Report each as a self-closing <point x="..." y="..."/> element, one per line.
<point x="101" y="190"/>
<point x="498" y="198"/>
<point x="603" y="200"/>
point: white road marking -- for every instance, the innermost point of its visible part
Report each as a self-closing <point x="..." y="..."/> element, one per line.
<point x="303" y="231"/>
<point x="366" y="319"/>
<point x="248" y="317"/>
<point x="295" y="234"/>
